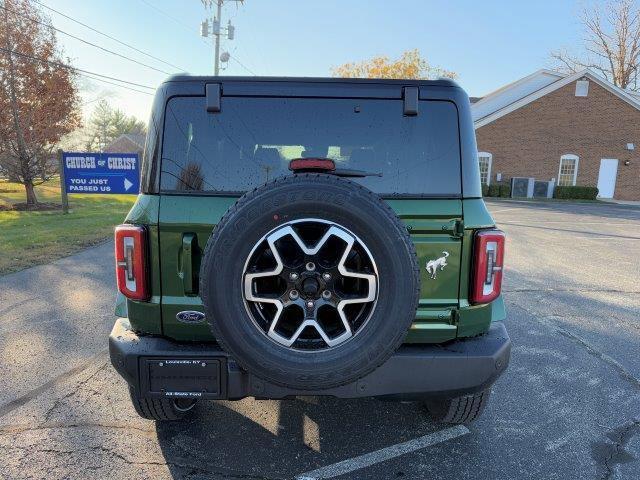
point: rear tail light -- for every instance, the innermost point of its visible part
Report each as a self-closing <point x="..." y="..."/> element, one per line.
<point x="488" y="252"/>
<point x="131" y="261"/>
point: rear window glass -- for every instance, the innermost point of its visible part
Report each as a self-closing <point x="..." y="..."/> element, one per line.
<point x="252" y="140"/>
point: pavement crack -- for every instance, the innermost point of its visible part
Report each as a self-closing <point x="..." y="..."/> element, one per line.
<point x="27" y="397"/>
<point x="14" y="429"/>
<point x="622" y="370"/>
<point x="75" y="390"/>
<point x="609" y="454"/>
<point x="191" y="469"/>
<point x="188" y="469"/>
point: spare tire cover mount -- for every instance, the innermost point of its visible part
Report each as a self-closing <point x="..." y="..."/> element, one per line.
<point x="310" y="281"/>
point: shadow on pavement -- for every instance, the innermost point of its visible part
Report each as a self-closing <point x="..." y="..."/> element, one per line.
<point x="280" y="439"/>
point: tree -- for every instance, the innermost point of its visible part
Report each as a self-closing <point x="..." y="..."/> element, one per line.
<point x="38" y="96"/>
<point x="409" y="65"/>
<point x="106" y="124"/>
<point x="612" y="44"/>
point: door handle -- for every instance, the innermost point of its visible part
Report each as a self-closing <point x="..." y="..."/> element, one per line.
<point x="189" y="256"/>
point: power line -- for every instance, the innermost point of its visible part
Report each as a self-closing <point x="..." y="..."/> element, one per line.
<point x="116" y="84"/>
<point x="108" y="36"/>
<point x="242" y="65"/>
<point x="74" y="69"/>
<point x="84" y="41"/>
<point x="101" y="97"/>
<point x="168" y="15"/>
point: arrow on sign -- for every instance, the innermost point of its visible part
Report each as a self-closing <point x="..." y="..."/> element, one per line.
<point x="127" y="184"/>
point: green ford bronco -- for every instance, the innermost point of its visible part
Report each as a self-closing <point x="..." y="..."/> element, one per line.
<point x="298" y="236"/>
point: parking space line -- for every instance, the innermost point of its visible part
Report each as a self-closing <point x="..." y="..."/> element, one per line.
<point x="384" y="454"/>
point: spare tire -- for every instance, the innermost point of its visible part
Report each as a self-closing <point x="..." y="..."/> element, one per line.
<point x="310" y="281"/>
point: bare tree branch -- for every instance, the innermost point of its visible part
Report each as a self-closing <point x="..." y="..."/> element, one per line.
<point x="611" y="44"/>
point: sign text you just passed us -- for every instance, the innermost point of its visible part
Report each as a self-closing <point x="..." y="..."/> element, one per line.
<point x="101" y="172"/>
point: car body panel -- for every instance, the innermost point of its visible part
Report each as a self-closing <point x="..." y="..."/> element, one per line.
<point x="431" y="223"/>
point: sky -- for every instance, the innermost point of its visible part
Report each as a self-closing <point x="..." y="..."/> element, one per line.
<point x="488" y="43"/>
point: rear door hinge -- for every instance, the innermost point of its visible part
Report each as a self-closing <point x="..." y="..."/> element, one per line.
<point x="458" y="228"/>
<point x="213" y="92"/>
<point x="411" y="97"/>
<point x="455" y="316"/>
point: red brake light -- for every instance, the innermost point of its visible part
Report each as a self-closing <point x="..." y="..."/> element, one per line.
<point x="131" y="261"/>
<point x="488" y="252"/>
<point x="312" y="165"/>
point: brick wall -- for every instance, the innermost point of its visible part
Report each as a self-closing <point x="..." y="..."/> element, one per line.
<point x="529" y="141"/>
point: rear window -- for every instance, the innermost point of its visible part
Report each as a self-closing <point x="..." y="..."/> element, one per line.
<point x="252" y="141"/>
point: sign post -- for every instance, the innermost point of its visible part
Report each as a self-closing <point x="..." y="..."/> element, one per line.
<point x="63" y="190"/>
<point x="101" y="172"/>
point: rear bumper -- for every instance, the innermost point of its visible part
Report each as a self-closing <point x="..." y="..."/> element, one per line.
<point x="413" y="371"/>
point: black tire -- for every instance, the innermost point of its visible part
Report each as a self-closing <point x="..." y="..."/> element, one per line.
<point x="329" y="198"/>
<point x="464" y="409"/>
<point x="160" y="409"/>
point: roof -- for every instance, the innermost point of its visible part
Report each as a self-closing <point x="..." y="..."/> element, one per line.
<point x="213" y="79"/>
<point x="524" y="91"/>
<point x="136" y="140"/>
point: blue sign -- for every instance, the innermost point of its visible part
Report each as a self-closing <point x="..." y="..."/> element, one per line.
<point x="101" y="172"/>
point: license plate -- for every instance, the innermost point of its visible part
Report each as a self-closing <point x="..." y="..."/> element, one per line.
<point x="185" y="377"/>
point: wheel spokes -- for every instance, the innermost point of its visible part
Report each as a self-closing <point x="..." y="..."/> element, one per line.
<point x="310" y="319"/>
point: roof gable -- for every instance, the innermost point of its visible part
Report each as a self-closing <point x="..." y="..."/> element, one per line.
<point x="483" y="117"/>
<point x="514" y="91"/>
<point x="130" y="141"/>
<point x="126" y="143"/>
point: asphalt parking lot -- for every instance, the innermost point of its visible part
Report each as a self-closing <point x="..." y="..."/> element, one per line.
<point x="568" y="406"/>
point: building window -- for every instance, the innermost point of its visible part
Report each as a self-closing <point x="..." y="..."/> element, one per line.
<point x="568" y="170"/>
<point x="484" y="160"/>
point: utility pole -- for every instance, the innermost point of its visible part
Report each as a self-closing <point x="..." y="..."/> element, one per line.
<point x="217" y="31"/>
<point x="216" y="64"/>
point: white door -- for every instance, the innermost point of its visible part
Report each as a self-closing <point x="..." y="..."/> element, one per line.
<point x="607" y="177"/>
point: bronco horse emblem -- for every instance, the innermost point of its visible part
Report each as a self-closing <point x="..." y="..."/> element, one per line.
<point x="433" y="265"/>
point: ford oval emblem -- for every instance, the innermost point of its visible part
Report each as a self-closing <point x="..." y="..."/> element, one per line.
<point x="190" y="316"/>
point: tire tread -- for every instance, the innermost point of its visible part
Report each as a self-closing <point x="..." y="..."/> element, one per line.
<point x="459" y="410"/>
<point x="159" y="409"/>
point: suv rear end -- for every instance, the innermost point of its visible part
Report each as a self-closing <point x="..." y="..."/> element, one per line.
<point x="409" y="143"/>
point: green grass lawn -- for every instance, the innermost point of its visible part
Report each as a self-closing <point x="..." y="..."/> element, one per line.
<point x="31" y="238"/>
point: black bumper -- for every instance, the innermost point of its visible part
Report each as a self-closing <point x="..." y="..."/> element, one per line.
<point x="413" y="371"/>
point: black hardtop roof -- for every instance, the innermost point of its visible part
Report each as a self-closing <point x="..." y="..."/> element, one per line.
<point x="203" y="79"/>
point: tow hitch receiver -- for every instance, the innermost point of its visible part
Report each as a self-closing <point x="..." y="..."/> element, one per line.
<point x="183" y="377"/>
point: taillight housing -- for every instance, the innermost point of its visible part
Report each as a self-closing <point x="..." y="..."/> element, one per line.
<point x="131" y="262"/>
<point x="312" y="165"/>
<point x="488" y="264"/>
